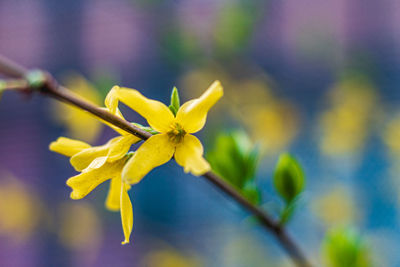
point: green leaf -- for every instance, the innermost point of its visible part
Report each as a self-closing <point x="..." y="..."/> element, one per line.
<point x="175" y="102"/>
<point x="235" y="159"/>
<point x="343" y="246"/>
<point x="252" y="193"/>
<point x="288" y="178"/>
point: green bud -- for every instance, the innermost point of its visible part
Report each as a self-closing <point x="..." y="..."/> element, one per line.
<point x="175" y="102"/>
<point x="288" y="178"/>
<point x="146" y="128"/>
<point x="345" y="247"/>
<point x="36" y="78"/>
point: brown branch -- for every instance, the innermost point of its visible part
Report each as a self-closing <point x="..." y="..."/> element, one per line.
<point x="52" y="89"/>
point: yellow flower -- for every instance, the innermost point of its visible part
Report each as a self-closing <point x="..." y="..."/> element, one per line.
<point x="170" y="257"/>
<point x="346" y="124"/>
<point x="112" y="161"/>
<point x="336" y="207"/>
<point x="79" y="124"/>
<point x="175" y="136"/>
<point x="83" y="235"/>
<point x="391" y="136"/>
<point x="20" y="209"/>
<point x="99" y="164"/>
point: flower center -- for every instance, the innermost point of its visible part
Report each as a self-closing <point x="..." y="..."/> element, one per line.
<point x="176" y="133"/>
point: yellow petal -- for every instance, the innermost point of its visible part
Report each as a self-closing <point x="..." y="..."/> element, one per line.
<point x="111" y="100"/>
<point x="126" y="213"/>
<point x="111" y="103"/>
<point x="189" y="154"/>
<point x="192" y="115"/>
<point x="154" y="152"/>
<point x="68" y="147"/>
<point x="114" y="194"/>
<point x="95" y="164"/>
<point x="120" y="145"/>
<point x="83" y="159"/>
<point x="156" y="113"/>
<point x="95" y="157"/>
<point x="85" y="182"/>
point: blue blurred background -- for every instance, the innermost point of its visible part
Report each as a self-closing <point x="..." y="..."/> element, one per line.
<point x="317" y="78"/>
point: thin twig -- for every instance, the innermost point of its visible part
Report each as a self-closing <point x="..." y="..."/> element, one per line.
<point x="53" y="89"/>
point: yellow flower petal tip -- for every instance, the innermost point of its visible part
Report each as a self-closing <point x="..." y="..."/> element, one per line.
<point x="111" y="101"/>
<point x="67" y="146"/>
<point x="217" y="84"/>
<point x="75" y="196"/>
<point x="215" y="89"/>
<point x="112" y="208"/>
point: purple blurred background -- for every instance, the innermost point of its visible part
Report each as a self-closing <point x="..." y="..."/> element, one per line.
<point x="302" y="54"/>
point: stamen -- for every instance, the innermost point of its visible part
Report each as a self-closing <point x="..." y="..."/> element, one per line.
<point x="177" y="133"/>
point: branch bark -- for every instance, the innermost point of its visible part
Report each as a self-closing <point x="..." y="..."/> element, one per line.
<point x="52" y="89"/>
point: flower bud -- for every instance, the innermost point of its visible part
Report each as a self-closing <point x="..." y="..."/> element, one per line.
<point x="36" y="78"/>
<point x="288" y="178"/>
<point x="175" y="102"/>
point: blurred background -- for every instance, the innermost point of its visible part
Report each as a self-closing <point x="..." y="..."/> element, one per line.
<point x="319" y="79"/>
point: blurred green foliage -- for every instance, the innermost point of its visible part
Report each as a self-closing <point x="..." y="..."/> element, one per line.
<point x="235" y="158"/>
<point x="104" y="80"/>
<point x="179" y="46"/>
<point x="230" y="35"/>
<point x="344" y="247"/>
<point x="234" y="27"/>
